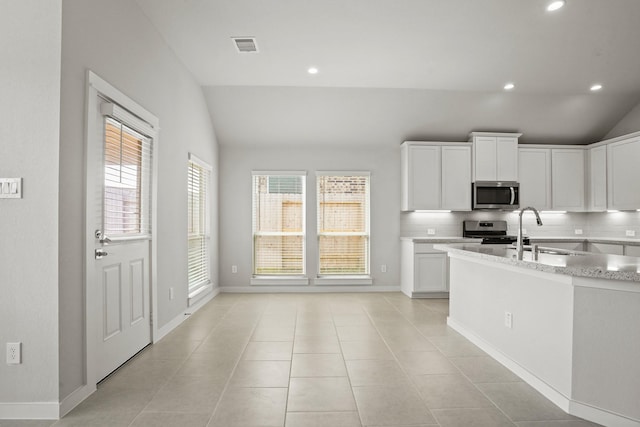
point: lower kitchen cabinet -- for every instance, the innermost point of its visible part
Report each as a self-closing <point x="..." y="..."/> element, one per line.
<point x="425" y="271"/>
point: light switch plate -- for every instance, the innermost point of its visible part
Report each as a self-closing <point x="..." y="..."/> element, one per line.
<point x="431" y="231"/>
<point x="10" y="188"/>
<point x="578" y="231"/>
<point x="631" y="233"/>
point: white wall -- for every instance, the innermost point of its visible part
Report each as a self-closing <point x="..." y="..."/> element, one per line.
<point x="29" y="143"/>
<point x="236" y="164"/>
<point x="116" y="41"/>
<point x="629" y="124"/>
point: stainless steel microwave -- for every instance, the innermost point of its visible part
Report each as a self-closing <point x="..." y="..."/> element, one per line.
<point x="502" y="195"/>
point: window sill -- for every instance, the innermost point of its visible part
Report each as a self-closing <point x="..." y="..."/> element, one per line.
<point x="343" y="280"/>
<point x="200" y="293"/>
<point x="279" y="281"/>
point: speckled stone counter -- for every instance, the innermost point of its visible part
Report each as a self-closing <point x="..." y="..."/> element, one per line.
<point x="610" y="241"/>
<point x="440" y="239"/>
<point x="578" y="264"/>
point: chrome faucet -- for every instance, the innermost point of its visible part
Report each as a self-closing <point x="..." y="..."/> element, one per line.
<point x="519" y="245"/>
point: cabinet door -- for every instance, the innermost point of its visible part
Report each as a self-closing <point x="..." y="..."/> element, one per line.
<point x="567" y="179"/>
<point x="506" y="159"/>
<point x="534" y="171"/>
<point x="623" y="174"/>
<point x="598" y="179"/>
<point x="484" y="158"/>
<point x="430" y="273"/>
<point x="423" y="178"/>
<point x="456" y="178"/>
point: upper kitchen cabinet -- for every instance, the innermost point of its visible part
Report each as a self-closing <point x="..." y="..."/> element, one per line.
<point x="534" y="175"/>
<point x="436" y="176"/>
<point x="552" y="178"/>
<point x="623" y="174"/>
<point x="597" y="178"/>
<point x="495" y="156"/>
<point x="567" y="179"/>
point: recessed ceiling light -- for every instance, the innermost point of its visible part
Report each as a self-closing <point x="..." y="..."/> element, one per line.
<point x="312" y="70"/>
<point x="509" y="86"/>
<point x="596" y="87"/>
<point x="555" y="5"/>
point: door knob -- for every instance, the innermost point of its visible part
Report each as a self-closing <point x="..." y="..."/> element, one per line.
<point x="100" y="253"/>
<point x="102" y="237"/>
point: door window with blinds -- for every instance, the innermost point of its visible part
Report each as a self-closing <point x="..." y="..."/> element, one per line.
<point x="198" y="183"/>
<point x="343" y="223"/>
<point x="127" y="177"/>
<point x="278" y="223"/>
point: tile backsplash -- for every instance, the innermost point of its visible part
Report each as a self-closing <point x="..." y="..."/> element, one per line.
<point x="592" y="224"/>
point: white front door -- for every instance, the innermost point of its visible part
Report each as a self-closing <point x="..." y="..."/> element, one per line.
<point x="119" y="234"/>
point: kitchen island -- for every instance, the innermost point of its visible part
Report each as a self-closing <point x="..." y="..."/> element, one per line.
<point x="568" y="324"/>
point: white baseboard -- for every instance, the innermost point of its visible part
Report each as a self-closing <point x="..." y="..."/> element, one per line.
<point x="307" y="289"/>
<point x="176" y="321"/>
<point x="75" y="398"/>
<point x="565" y="403"/>
<point x="29" y="411"/>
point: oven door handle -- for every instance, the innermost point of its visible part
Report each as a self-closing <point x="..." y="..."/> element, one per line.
<point x="513" y="195"/>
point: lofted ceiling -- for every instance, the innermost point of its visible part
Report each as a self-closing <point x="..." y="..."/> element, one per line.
<point x="395" y="70"/>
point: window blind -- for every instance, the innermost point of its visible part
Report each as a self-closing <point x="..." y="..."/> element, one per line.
<point x="127" y="181"/>
<point x="278" y="223"/>
<point x="198" y="178"/>
<point x="343" y="223"/>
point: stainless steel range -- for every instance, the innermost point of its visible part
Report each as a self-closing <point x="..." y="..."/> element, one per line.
<point x="491" y="232"/>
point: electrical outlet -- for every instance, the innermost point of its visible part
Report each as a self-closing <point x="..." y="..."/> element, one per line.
<point x="578" y="231"/>
<point x="383" y="268"/>
<point x="524" y="231"/>
<point x="234" y="269"/>
<point x="431" y="231"/>
<point x="14" y="353"/>
<point x="508" y="319"/>
<point x="631" y="233"/>
<point x="170" y="293"/>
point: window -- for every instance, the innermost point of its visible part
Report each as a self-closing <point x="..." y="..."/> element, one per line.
<point x="343" y="223"/>
<point x="278" y="223"/>
<point x="127" y="178"/>
<point x="199" y="177"/>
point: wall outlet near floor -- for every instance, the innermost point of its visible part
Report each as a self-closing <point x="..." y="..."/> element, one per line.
<point x="170" y="293"/>
<point x="431" y="231"/>
<point x="383" y="268"/>
<point x="631" y="233"/>
<point x="508" y="319"/>
<point x="234" y="269"/>
<point x="14" y="353"/>
<point x="578" y="231"/>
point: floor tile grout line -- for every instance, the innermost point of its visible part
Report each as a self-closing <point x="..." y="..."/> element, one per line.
<point x="456" y="366"/>
<point x="183" y="362"/>
<point x="228" y="382"/>
<point x="410" y="381"/>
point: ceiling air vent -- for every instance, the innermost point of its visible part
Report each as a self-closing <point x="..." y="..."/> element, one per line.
<point x="245" y="44"/>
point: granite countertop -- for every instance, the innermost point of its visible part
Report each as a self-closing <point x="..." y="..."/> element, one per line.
<point x="441" y="239"/>
<point x="580" y="264"/>
<point x="579" y="239"/>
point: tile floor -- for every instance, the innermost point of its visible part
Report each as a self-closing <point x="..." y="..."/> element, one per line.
<point x="311" y="360"/>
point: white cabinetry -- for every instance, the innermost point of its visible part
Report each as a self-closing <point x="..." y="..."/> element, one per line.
<point x="567" y="179"/>
<point x="534" y="171"/>
<point x="495" y="156"/>
<point x="425" y="271"/>
<point x="552" y="178"/>
<point x="436" y="176"/>
<point x="598" y="179"/>
<point x="623" y="174"/>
